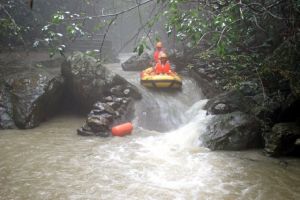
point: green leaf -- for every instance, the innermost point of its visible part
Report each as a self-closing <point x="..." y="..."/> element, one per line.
<point x="57" y="18"/>
<point x="141" y="50"/>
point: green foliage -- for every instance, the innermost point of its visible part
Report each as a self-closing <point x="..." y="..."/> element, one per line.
<point x="8" y="29"/>
<point x="235" y="37"/>
<point x="192" y="25"/>
<point x="11" y="33"/>
<point x="142" y="45"/>
<point x="231" y="71"/>
<point x="53" y="39"/>
<point x="52" y="23"/>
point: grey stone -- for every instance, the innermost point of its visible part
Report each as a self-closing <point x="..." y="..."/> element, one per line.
<point x="6" y="112"/>
<point x="35" y="96"/>
<point x="126" y="92"/>
<point x="282" y="139"/>
<point x="137" y="63"/>
<point x="104" y="107"/>
<point x="229" y="102"/>
<point x="233" y="131"/>
<point x="108" y="98"/>
<point x="86" y="86"/>
<point x="114" y="105"/>
<point x="97" y="123"/>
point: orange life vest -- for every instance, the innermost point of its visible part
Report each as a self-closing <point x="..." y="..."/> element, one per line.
<point x="162" y="68"/>
<point x="155" y="55"/>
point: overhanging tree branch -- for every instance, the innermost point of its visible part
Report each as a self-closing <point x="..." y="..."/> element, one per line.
<point x="106" y="32"/>
<point x="142" y="28"/>
<point x="115" y="14"/>
<point x="16" y="27"/>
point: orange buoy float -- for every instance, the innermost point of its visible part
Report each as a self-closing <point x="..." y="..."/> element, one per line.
<point x="122" y="129"/>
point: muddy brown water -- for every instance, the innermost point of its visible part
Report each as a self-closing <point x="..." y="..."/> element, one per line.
<point x="52" y="162"/>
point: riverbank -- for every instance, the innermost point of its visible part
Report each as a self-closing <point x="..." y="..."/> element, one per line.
<point x="265" y="90"/>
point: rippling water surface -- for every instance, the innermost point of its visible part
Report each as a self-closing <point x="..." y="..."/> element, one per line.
<point x="52" y="162"/>
<point x="158" y="161"/>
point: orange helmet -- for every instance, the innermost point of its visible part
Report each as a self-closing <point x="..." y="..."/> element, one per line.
<point x="162" y="55"/>
<point x="159" y="45"/>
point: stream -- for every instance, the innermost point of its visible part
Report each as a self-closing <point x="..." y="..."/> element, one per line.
<point x="161" y="159"/>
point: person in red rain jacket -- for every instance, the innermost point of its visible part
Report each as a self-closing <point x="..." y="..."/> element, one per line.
<point x="159" y="47"/>
<point x="163" y="66"/>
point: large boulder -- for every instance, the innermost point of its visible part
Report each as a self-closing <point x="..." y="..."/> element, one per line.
<point x="283" y="139"/>
<point x="6" y="112"/>
<point x="137" y="63"/>
<point x="29" y="92"/>
<point x="233" y="131"/>
<point x="35" y="96"/>
<point x="228" y="102"/>
<point x="88" y="81"/>
<point x="104" y="115"/>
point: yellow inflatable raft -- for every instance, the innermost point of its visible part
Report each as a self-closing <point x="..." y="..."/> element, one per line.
<point x="152" y="80"/>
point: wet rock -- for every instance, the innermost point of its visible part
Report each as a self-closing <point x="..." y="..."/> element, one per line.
<point x="98" y="123"/>
<point x="233" y="131"/>
<point x="96" y="112"/>
<point x="89" y="81"/>
<point x="229" y="102"/>
<point x="114" y="105"/>
<point x="126" y="92"/>
<point x="104" y="107"/>
<point x="282" y="140"/>
<point x="29" y="92"/>
<point x="6" y="121"/>
<point x="118" y="100"/>
<point x="109" y="117"/>
<point x="266" y="110"/>
<point x="221" y="108"/>
<point x="248" y="88"/>
<point x="108" y="98"/>
<point x="125" y="101"/>
<point x="35" y="96"/>
<point x="104" y="115"/>
<point x="6" y="112"/>
<point x="130" y="92"/>
<point x="117" y="90"/>
<point x="86" y="127"/>
<point x="137" y="63"/>
<point x="87" y="131"/>
<point x="83" y="132"/>
<point x="258" y="99"/>
<point x="117" y="114"/>
<point x="102" y="134"/>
